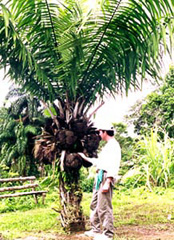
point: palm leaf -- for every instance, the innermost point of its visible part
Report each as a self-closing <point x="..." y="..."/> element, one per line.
<point x="52" y="51"/>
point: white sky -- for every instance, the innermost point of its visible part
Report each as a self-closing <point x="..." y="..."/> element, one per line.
<point x="114" y="110"/>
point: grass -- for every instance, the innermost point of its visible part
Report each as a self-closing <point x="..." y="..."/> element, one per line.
<point x="21" y="216"/>
<point x="139" y="206"/>
<point x="16" y="224"/>
<point x="131" y="207"/>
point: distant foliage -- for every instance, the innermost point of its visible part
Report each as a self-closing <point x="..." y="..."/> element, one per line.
<point x="19" y="124"/>
<point x="158" y="109"/>
<point x="16" y="143"/>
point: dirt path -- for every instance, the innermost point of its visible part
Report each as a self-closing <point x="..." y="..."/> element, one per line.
<point x="158" y="232"/>
<point x="155" y="232"/>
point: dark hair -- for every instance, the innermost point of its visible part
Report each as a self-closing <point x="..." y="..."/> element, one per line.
<point x="109" y="132"/>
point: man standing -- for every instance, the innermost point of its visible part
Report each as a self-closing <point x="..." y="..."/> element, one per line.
<point x="107" y="165"/>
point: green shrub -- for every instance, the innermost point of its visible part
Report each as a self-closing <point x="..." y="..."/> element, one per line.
<point x="154" y="162"/>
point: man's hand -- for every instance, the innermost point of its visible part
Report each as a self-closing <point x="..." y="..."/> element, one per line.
<point x="88" y="159"/>
<point x="106" y="185"/>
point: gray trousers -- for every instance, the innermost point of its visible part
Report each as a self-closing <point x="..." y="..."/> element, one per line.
<point x="102" y="213"/>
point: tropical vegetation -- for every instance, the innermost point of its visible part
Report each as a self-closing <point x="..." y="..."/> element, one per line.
<point x="68" y="57"/>
<point x="20" y="122"/>
<point x="158" y="109"/>
<point x="153" y="162"/>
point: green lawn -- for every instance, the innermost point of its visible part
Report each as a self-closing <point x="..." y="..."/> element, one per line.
<point x="131" y="207"/>
<point x="141" y="207"/>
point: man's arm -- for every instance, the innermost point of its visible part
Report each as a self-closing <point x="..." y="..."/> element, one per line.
<point x="88" y="159"/>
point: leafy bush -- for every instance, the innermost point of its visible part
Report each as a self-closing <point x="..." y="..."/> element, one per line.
<point x="154" y="161"/>
<point x="5" y="173"/>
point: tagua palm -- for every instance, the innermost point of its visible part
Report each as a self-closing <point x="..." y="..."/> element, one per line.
<point x="68" y="57"/>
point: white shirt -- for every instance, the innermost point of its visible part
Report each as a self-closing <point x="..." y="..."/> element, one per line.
<point x="109" y="158"/>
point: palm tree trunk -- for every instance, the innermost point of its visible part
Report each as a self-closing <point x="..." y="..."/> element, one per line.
<point x="71" y="214"/>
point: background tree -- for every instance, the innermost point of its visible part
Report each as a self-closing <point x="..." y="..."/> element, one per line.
<point x="68" y="57"/>
<point x="19" y="123"/>
<point x="158" y="109"/>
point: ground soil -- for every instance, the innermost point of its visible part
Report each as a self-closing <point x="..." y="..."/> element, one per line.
<point x="148" y="232"/>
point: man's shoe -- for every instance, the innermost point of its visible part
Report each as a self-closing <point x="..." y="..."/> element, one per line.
<point x="91" y="233"/>
<point x="102" y="237"/>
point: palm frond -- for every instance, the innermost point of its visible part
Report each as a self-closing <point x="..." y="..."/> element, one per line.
<point x="52" y="51"/>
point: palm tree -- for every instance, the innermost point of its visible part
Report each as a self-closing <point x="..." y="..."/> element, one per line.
<point x="68" y="57"/>
<point x="19" y="124"/>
